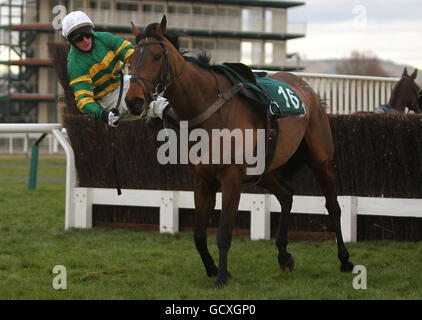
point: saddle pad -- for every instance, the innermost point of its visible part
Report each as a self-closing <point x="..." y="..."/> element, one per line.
<point x="278" y="96"/>
<point x="287" y="101"/>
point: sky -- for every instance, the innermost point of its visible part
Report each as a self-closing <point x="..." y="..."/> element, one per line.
<point x="390" y="29"/>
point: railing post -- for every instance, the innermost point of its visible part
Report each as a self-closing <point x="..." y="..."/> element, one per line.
<point x="261" y="217"/>
<point x="348" y="205"/>
<point x="169" y="212"/>
<point x="83" y="208"/>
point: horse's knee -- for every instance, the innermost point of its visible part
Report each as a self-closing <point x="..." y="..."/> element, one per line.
<point x="224" y="239"/>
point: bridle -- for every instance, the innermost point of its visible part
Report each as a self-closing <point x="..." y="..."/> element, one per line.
<point x="158" y="87"/>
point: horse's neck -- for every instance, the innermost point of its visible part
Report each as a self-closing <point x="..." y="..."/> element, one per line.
<point x="188" y="95"/>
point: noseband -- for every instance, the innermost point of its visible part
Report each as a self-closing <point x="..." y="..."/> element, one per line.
<point x="157" y="87"/>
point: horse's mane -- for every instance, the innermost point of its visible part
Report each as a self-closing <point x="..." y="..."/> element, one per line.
<point x="200" y="58"/>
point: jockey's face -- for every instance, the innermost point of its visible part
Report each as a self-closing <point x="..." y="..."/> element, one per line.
<point x="85" y="44"/>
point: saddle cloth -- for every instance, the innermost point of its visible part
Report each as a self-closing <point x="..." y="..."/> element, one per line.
<point x="265" y="92"/>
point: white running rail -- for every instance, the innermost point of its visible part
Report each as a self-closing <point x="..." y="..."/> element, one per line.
<point x="55" y="129"/>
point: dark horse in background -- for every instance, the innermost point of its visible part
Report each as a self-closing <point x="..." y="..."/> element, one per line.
<point x="191" y="87"/>
<point x="405" y="93"/>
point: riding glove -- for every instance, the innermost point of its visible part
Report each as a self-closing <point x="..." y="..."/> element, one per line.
<point x="156" y="107"/>
<point x="111" y="117"/>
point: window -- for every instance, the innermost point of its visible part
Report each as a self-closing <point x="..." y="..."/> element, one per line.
<point x="269" y="47"/>
<point x="203" y="44"/>
<point x="268" y="21"/>
<point x="252" y="19"/>
<point x="92" y="4"/>
<point x="147" y="8"/>
<point x="184" y="43"/>
<point x="78" y="4"/>
<point x="105" y="5"/>
<point x="228" y="12"/>
<point x="127" y="6"/>
<point x="251" y="52"/>
<point x="157" y="8"/>
<point x="202" y="10"/>
<point x="181" y="9"/>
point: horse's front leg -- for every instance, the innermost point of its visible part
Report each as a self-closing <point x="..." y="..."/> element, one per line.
<point x="230" y="188"/>
<point x="204" y="195"/>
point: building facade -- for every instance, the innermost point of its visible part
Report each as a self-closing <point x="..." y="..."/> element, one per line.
<point x="253" y="32"/>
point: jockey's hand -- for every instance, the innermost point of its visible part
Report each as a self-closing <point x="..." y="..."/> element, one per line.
<point x="111" y="117"/>
<point x="156" y="107"/>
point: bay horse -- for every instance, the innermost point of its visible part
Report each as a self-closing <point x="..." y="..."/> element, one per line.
<point x="405" y="93"/>
<point x="191" y="87"/>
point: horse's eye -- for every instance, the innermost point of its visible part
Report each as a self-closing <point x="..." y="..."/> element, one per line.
<point x="157" y="57"/>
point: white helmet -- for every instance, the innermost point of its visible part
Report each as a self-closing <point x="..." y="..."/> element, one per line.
<point x="73" y="21"/>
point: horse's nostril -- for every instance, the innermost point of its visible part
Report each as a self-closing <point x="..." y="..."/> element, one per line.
<point x="135" y="105"/>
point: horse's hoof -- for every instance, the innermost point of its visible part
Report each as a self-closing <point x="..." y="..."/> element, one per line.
<point x="221" y="282"/>
<point x="347" y="266"/>
<point x="213" y="272"/>
<point x="286" y="262"/>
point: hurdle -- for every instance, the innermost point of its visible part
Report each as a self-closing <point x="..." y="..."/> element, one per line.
<point x="80" y="200"/>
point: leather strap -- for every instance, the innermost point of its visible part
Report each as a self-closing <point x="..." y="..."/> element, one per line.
<point x="222" y="99"/>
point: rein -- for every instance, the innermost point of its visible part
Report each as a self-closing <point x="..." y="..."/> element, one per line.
<point x="113" y="138"/>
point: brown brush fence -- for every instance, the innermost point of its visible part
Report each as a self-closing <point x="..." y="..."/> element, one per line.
<point x="376" y="156"/>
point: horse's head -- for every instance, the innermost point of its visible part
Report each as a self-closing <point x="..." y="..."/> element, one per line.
<point x="407" y="92"/>
<point x="149" y="67"/>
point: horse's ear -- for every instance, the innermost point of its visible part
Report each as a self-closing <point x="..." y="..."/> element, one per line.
<point x="404" y="72"/>
<point x="414" y="74"/>
<point x="163" y="25"/>
<point x="135" y="30"/>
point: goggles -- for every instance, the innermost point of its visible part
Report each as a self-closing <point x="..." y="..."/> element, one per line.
<point x="81" y="35"/>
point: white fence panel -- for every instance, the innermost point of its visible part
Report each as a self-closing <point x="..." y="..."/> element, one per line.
<point x="259" y="205"/>
<point x="345" y="94"/>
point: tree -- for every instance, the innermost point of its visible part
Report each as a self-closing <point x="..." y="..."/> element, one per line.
<point x="365" y="64"/>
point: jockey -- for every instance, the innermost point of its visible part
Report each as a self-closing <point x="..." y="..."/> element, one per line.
<point x="92" y="62"/>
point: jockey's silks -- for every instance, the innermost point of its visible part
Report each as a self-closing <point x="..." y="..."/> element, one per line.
<point x="91" y="74"/>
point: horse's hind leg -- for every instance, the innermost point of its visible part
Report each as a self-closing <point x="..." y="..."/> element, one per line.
<point x="204" y="204"/>
<point x="282" y="190"/>
<point x="325" y="174"/>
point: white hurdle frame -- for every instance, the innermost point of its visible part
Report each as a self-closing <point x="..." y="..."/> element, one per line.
<point x="259" y="205"/>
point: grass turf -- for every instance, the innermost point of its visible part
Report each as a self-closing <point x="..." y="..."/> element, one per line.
<point x="128" y="264"/>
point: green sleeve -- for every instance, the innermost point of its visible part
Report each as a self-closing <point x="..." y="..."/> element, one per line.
<point x="82" y="87"/>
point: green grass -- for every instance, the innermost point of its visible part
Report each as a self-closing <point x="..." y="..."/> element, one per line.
<point x="127" y="264"/>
